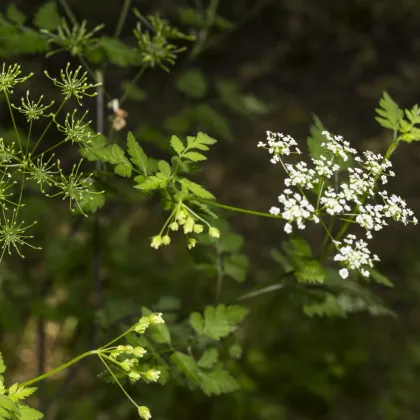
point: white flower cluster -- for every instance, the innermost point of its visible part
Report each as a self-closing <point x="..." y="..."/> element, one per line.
<point x="355" y="255"/>
<point x="354" y="199"/>
<point x="279" y="145"/>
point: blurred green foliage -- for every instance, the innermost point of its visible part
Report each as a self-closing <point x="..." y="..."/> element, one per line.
<point x="280" y="363"/>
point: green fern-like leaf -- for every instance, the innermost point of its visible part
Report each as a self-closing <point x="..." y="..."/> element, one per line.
<point x="153" y="183"/>
<point x="138" y="157"/>
<point x="218" y="382"/>
<point x="8" y="409"/>
<point x="209" y="358"/>
<point x="218" y="321"/>
<point x="17" y="392"/>
<point x="177" y="145"/>
<point x="29" y="413"/>
<point x="389" y="113"/>
<point x="196" y="189"/>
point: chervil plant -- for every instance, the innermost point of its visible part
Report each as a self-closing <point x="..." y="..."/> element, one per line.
<point x="119" y="361"/>
<point x="320" y="191"/>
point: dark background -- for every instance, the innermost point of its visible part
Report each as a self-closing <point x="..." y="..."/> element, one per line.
<point x="297" y="57"/>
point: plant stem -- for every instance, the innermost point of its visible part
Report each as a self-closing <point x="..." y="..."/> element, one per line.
<point x="68" y="12"/>
<point x="48" y="126"/>
<point x="122" y="18"/>
<point x="238" y="209"/>
<point x="59" y="369"/>
<point x="116" y="339"/>
<point x="133" y="82"/>
<point x="13" y="121"/>
<point x="102" y="356"/>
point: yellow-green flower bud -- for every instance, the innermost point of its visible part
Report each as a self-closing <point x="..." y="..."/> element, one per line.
<point x="166" y="240"/>
<point x="156" y="318"/>
<point x="214" y="232"/>
<point x="135" y="376"/>
<point x="198" y="228"/>
<point x="181" y="215"/>
<point x="139" y="351"/>
<point x="174" y="226"/>
<point x="191" y="243"/>
<point x="126" y="364"/>
<point x="152" y="375"/>
<point x="156" y="242"/>
<point x="142" y="325"/>
<point x="189" y="225"/>
<point x="144" y="413"/>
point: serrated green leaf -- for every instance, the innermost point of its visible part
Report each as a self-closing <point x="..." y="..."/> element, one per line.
<point x="221" y="320"/>
<point x="389" y="113"/>
<point x="115" y="155"/>
<point x="17" y="392"/>
<point x="152" y="183"/>
<point x="97" y="143"/>
<point x="8" y="409"/>
<point x="47" y="16"/>
<point x="118" y="52"/>
<point x="197" y="322"/>
<point x="236" y="266"/>
<point x="315" y="139"/>
<point x="187" y="365"/>
<point x="209" y="358"/>
<point x="235" y="351"/>
<point x="15" y="15"/>
<point x="211" y="120"/>
<point x="380" y="278"/>
<point x="218" y="382"/>
<point x="123" y="169"/>
<point x="190" y="17"/>
<point x="178" y="123"/>
<point x="223" y="23"/>
<point x="297" y="248"/>
<point x="194" y="156"/>
<point x="136" y="152"/>
<point x="193" y="83"/>
<point x="133" y="92"/>
<point x="196" y="189"/>
<point x="165" y="168"/>
<point x="91" y="203"/>
<point x="29" y="413"/>
<point x="309" y="271"/>
<point x="231" y="242"/>
<point x="177" y="145"/>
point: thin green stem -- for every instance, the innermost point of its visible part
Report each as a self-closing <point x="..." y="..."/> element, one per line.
<point x="59" y="369"/>
<point x="13" y="120"/>
<point x="116" y="339"/>
<point x="237" y="209"/>
<point x="29" y="137"/>
<point x="204" y="33"/>
<point x="68" y="12"/>
<point x="102" y="356"/>
<point x="51" y="148"/>
<point x="122" y="18"/>
<point x="133" y="82"/>
<point x="48" y="126"/>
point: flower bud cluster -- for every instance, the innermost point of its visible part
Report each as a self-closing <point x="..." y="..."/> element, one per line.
<point x="185" y="219"/>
